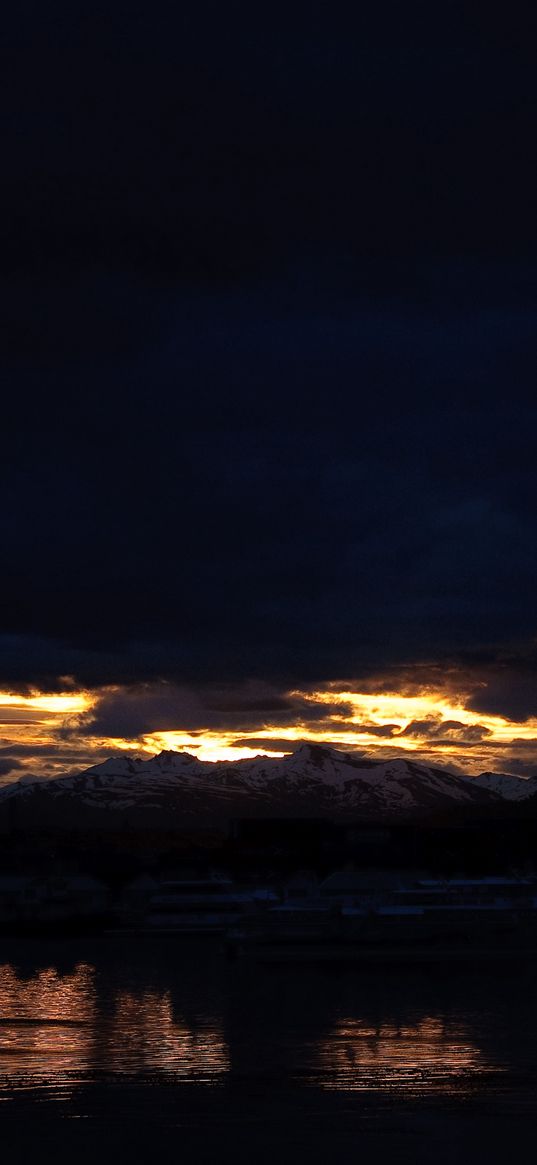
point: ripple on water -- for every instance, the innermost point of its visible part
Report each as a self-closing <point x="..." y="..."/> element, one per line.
<point x="428" y="1057"/>
<point x="56" y="1035"/>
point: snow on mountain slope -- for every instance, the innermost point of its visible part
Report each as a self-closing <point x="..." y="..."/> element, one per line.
<point x="312" y="781"/>
<point x="508" y="786"/>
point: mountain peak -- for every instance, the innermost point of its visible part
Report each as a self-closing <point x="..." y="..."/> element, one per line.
<point x="319" y="753"/>
<point x="312" y="751"/>
<point x="507" y="785"/>
<point x="174" y="788"/>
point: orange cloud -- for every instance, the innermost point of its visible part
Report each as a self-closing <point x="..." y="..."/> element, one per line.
<point x="49" y="733"/>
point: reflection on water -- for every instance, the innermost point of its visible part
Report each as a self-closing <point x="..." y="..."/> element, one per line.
<point x="55" y="1034"/>
<point x="46" y="1026"/>
<point x="427" y="1057"/>
<point x="181" y="1015"/>
<point x="105" y="1042"/>
<point x="144" y="1035"/>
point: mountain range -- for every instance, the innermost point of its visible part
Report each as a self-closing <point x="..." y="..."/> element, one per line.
<point x="175" y="788"/>
<point x="509" y="787"/>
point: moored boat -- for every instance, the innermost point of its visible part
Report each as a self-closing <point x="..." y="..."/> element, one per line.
<point x="201" y="906"/>
<point x="431" y="920"/>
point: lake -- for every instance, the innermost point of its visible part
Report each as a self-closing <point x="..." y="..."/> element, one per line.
<point x="132" y="1046"/>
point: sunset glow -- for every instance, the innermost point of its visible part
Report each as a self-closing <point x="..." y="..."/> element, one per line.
<point x="207" y="746"/>
<point x="71" y="702"/>
<point x="402" y="710"/>
<point x="54" y="733"/>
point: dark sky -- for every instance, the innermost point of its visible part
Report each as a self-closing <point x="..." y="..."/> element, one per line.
<point x="268" y="299"/>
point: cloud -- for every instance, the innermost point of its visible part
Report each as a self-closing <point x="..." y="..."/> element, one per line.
<point x="510" y="690"/>
<point x="445" y="731"/>
<point x="140" y="709"/>
<point x="299" y="146"/>
<point x="8" y="766"/>
<point x="253" y="437"/>
<point x="205" y="534"/>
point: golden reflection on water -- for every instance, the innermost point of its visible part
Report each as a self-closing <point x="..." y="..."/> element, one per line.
<point x="144" y="1035"/>
<point x="55" y="1035"/>
<point x="46" y="1026"/>
<point x="59" y="1031"/>
<point x="428" y="1057"/>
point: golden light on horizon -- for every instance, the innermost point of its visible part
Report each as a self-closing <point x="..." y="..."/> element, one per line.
<point x="56" y="703"/>
<point x="429" y="716"/>
<point x="52" y="731"/>
<point x="37" y="727"/>
<point x="207" y="746"/>
<point x="393" y="709"/>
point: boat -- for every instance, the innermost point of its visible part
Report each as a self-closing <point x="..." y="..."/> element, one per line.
<point x="201" y="906"/>
<point x="431" y="920"/>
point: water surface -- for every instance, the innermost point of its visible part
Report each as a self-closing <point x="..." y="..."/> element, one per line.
<point x="140" y="1045"/>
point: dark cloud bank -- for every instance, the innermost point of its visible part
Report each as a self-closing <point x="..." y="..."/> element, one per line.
<point x="270" y="349"/>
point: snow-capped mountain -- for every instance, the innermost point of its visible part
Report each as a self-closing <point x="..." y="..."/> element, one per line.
<point x="508" y="786"/>
<point x="175" y="788"/>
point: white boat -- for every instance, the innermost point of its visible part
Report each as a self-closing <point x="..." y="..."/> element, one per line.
<point x="432" y="919"/>
<point x="201" y="906"/>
